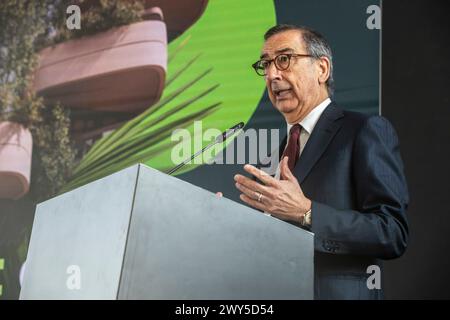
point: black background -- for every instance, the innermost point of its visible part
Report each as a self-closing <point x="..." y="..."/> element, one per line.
<point x="416" y="99"/>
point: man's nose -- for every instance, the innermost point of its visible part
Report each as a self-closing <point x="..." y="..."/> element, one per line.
<point x="272" y="73"/>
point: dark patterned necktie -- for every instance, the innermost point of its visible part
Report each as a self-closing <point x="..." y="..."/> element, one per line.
<point x="293" y="147"/>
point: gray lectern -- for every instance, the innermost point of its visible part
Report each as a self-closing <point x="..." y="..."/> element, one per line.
<point x="141" y="234"/>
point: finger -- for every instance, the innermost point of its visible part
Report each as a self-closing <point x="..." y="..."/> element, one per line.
<point x="219" y="194"/>
<point x="261" y="175"/>
<point x="285" y="171"/>
<point x="252" y="202"/>
<point x="249" y="192"/>
<point x="251" y="184"/>
<point x="283" y="167"/>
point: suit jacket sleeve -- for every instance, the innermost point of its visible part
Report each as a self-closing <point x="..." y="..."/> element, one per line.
<point x="378" y="225"/>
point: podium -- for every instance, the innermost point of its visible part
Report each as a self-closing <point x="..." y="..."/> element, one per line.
<point x="141" y="234"/>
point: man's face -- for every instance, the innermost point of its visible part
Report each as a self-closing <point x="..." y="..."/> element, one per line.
<point x="296" y="90"/>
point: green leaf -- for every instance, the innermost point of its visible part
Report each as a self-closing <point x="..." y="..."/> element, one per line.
<point x="118" y="146"/>
<point x="128" y="129"/>
<point x="132" y="155"/>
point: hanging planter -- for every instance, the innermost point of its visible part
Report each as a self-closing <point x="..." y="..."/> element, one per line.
<point x="110" y="77"/>
<point x="179" y="15"/>
<point x="15" y="160"/>
<point x="119" y="70"/>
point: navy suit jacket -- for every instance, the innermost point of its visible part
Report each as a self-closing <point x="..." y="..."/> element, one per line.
<point x="352" y="171"/>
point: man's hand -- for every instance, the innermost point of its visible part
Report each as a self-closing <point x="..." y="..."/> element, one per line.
<point x="283" y="199"/>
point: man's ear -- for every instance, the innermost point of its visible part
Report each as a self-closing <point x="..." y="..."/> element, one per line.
<point x="323" y="64"/>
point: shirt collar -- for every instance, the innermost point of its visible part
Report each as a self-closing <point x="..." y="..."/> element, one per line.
<point x="309" y="122"/>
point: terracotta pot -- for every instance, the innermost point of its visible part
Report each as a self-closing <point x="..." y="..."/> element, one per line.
<point x="121" y="70"/>
<point x="179" y="15"/>
<point x="15" y="160"/>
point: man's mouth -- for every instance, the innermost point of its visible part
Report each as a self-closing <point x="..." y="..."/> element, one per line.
<point x="282" y="93"/>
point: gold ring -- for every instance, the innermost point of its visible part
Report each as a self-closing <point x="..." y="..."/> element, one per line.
<point x="259" y="197"/>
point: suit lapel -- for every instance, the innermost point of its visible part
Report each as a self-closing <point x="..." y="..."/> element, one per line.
<point x="324" y="131"/>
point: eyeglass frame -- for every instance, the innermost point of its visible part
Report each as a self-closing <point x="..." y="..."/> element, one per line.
<point x="289" y="55"/>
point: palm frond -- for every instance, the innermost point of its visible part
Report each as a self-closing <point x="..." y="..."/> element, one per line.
<point x="180" y="71"/>
<point x="116" y="147"/>
<point x="137" y="151"/>
<point x="133" y="125"/>
<point x="147" y="135"/>
<point x="178" y="49"/>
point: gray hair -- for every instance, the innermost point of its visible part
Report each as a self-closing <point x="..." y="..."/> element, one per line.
<point x="316" y="45"/>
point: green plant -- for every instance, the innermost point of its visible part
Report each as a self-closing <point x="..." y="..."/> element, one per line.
<point x="22" y="23"/>
<point x="143" y="137"/>
<point x="97" y="16"/>
<point x="26" y="27"/>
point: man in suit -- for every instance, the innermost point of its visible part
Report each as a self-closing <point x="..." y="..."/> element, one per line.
<point x="340" y="174"/>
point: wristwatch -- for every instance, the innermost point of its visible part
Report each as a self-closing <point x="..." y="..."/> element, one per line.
<point x="306" y="221"/>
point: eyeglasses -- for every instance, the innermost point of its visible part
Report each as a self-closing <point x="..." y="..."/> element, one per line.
<point x="281" y="61"/>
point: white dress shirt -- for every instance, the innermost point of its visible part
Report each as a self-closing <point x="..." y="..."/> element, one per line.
<point x="308" y="123"/>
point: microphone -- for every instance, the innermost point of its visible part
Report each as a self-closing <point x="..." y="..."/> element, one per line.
<point x="219" y="139"/>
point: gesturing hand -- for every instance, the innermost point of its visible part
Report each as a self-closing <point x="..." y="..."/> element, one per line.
<point x="283" y="199"/>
